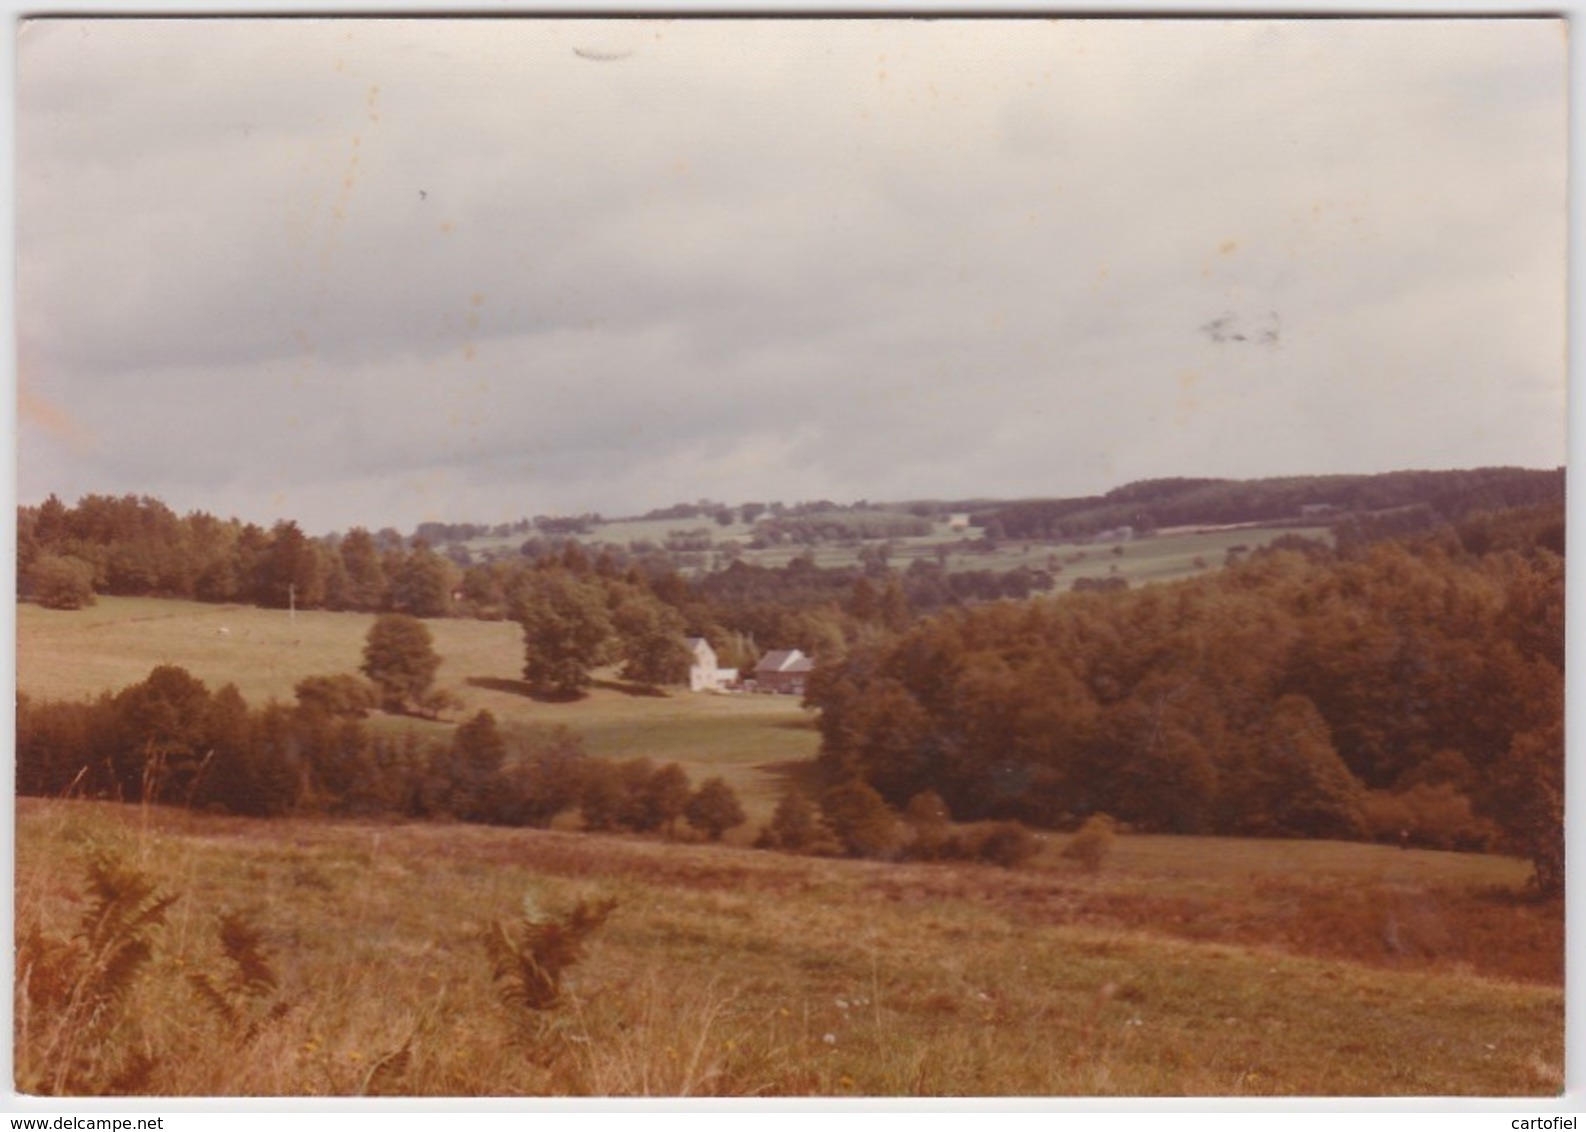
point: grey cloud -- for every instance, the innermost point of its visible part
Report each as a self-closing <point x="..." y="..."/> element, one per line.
<point x="456" y="264"/>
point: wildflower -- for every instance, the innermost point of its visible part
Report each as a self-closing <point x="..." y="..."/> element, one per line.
<point x="842" y="1004"/>
<point x="829" y="1039"/>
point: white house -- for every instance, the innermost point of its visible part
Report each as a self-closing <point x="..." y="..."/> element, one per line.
<point x="703" y="675"/>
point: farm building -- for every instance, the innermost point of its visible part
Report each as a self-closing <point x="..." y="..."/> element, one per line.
<point x="784" y="671"/>
<point x="1116" y="534"/>
<point x="703" y="675"/>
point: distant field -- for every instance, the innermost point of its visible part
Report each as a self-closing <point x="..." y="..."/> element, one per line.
<point x="1160" y="558"/>
<point x="1186" y="967"/>
<point x="69" y="655"/>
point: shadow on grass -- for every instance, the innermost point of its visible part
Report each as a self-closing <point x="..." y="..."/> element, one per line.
<point x="794" y="724"/>
<point x="629" y="689"/>
<point x="799" y="774"/>
<point x="527" y="691"/>
<point x="522" y="688"/>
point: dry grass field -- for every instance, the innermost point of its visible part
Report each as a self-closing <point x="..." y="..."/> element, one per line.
<point x="1183" y="968"/>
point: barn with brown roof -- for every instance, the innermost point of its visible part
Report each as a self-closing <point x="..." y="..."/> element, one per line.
<point x="784" y="671"/>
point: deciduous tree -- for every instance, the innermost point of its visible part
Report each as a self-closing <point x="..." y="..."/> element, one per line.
<point x="714" y="809"/>
<point x="399" y="656"/>
<point x="566" y="631"/>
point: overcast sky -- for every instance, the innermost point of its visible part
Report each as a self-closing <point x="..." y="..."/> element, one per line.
<point x="376" y="272"/>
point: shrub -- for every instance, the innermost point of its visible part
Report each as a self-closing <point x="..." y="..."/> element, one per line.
<point x="796" y="827"/>
<point x="664" y="798"/>
<point x="861" y="821"/>
<point x="930" y="824"/>
<point x="1005" y="843"/>
<point x="62" y="582"/>
<point x="714" y="809"/>
<point x="1439" y="816"/>
<point x="341" y="695"/>
<point x="1091" y="845"/>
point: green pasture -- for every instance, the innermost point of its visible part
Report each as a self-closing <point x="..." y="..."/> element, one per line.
<point x="78" y="654"/>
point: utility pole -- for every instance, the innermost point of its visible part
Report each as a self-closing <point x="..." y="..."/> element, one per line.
<point x="291" y="606"/>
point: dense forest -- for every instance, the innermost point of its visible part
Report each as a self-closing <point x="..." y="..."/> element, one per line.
<point x="1411" y="688"/>
<point x="1404" y="682"/>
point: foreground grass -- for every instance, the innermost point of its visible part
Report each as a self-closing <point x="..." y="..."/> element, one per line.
<point x="747" y="740"/>
<point x="726" y="971"/>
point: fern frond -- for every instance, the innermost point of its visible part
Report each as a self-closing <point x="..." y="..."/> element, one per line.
<point x="243" y="944"/>
<point x="118" y="968"/>
<point x="384" y="1078"/>
<point x="528" y="957"/>
<point x="134" y="1077"/>
<point x="47" y="969"/>
<point x="124" y="904"/>
<point x="212" y="997"/>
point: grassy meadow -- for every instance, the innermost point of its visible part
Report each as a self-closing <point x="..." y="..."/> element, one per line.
<point x="747" y="740"/>
<point x="1182" y="968"/>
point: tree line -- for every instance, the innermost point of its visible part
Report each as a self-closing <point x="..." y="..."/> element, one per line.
<point x="170" y="740"/>
<point x="1149" y="505"/>
<point x="1406" y="688"/>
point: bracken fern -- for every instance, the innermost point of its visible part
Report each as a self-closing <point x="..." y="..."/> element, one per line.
<point x="388" y="1074"/>
<point x="529" y="955"/>
<point x="70" y="993"/>
<point x="242" y="998"/>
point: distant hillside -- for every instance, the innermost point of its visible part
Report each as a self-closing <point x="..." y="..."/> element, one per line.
<point x="1152" y="504"/>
